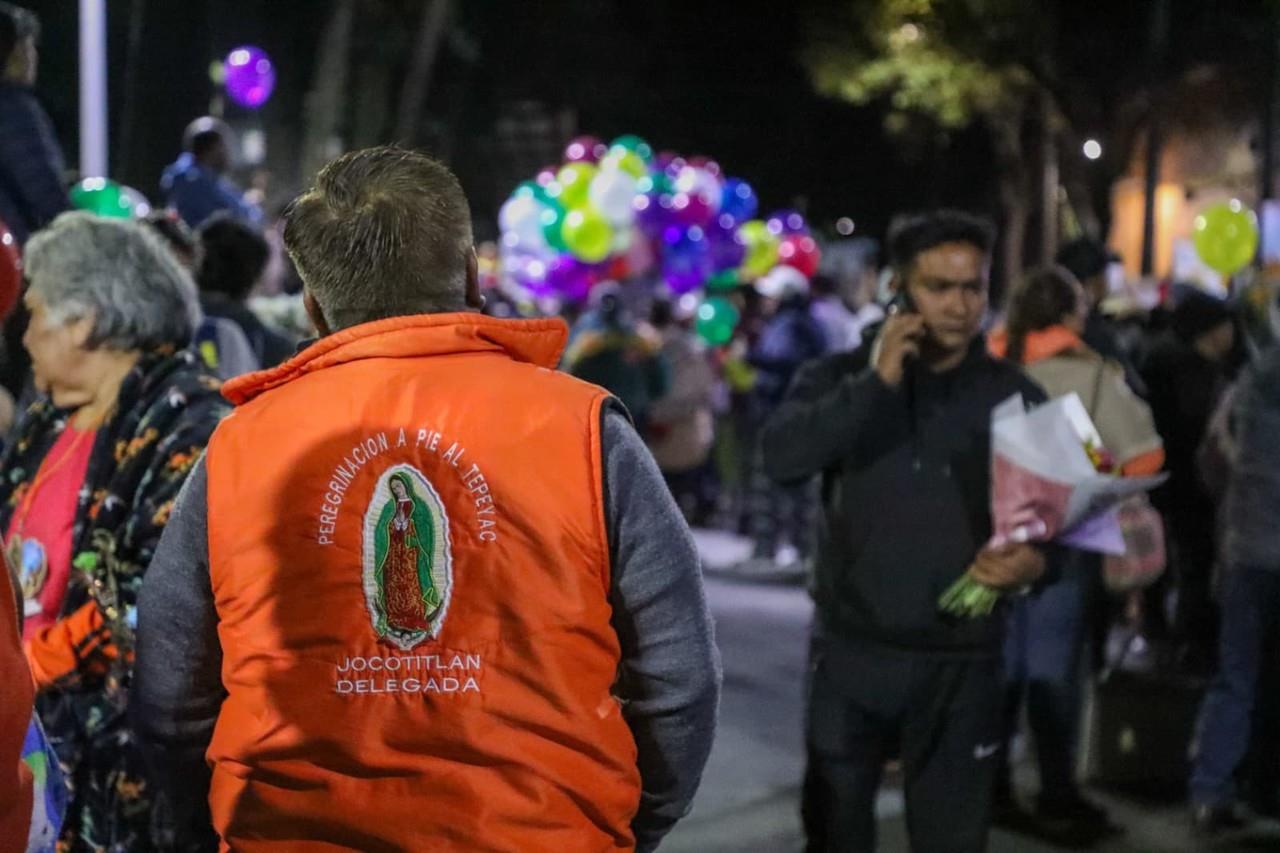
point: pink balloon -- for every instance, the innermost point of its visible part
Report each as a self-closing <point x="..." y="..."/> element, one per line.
<point x="546" y="176"/>
<point x="585" y="149"/>
<point x="706" y="163"/>
<point x="692" y="209"/>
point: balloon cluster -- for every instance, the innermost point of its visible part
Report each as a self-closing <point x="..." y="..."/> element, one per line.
<point x="621" y="210"/>
<point x="1226" y="236"/>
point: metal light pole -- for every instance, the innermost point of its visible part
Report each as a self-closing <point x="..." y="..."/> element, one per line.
<point x="1270" y="113"/>
<point x="93" y="88"/>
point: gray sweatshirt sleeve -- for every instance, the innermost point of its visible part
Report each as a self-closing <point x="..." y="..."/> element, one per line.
<point x="177" y="684"/>
<point x="670" y="679"/>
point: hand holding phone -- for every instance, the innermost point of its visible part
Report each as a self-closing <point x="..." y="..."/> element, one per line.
<point x="899" y="340"/>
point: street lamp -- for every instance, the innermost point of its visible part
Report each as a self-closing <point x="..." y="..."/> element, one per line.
<point x="1092" y="149"/>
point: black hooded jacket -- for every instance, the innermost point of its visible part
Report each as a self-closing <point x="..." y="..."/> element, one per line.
<point x="906" y="491"/>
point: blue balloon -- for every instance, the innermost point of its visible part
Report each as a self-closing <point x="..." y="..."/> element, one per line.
<point x="739" y="200"/>
<point x="686" y="258"/>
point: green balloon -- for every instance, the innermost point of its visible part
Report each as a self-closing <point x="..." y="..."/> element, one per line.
<point x="587" y="234"/>
<point x="553" y="223"/>
<point x="627" y="161"/>
<point x="633" y="143"/>
<point x="102" y="197"/>
<point x="762" y="249"/>
<point x="717" y="318"/>
<point x="1226" y="236"/>
<point x="723" y="281"/>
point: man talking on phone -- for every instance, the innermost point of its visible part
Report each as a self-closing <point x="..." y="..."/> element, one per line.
<point x="899" y="431"/>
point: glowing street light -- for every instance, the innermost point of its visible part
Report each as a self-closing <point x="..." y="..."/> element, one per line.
<point x="1092" y="149"/>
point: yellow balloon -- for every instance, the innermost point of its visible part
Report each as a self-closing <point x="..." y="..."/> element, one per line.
<point x="588" y="235"/>
<point x="1226" y="236"/>
<point x="626" y="161"/>
<point x="762" y="249"/>
<point x="575" y="184"/>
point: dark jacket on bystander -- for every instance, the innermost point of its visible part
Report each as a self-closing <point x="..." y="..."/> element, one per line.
<point x="906" y="491"/>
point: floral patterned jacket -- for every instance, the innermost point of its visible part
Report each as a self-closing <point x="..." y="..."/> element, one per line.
<point x="168" y="406"/>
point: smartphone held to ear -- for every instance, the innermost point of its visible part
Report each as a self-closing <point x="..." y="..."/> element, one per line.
<point x="902" y="303"/>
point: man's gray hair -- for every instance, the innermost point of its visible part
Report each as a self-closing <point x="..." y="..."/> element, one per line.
<point x="385" y="232"/>
<point x="118" y="273"/>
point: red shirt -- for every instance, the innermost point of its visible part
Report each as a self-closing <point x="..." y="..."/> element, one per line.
<point x="43" y="521"/>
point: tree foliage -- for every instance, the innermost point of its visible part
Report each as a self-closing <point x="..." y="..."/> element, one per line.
<point x="950" y="61"/>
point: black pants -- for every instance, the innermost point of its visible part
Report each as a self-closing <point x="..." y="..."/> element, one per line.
<point x="868" y="704"/>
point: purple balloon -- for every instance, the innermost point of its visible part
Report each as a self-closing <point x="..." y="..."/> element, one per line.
<point x="686" y="259"/>
<point x="664" y="159"/>
<point x="569" y="277"/>
<point x="728" y="250"/>
<point x="251" y="78"/>
<point x="787" y="221"/>
<point x="654" y="212"/>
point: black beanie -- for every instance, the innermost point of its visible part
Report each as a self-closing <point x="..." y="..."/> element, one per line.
<point x="1085" y="257"/>
<point x="1197" y="313"/>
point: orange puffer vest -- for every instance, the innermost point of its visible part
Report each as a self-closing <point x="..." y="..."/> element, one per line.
<point x="411" y="571"/>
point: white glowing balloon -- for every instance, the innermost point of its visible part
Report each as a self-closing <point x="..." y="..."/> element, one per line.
<point x="612" y="192"/>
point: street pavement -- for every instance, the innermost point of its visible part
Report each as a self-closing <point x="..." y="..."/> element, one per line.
<point x="749" y="799"/>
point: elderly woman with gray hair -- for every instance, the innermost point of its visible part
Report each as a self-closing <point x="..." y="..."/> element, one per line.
<point x="87" y="485"/>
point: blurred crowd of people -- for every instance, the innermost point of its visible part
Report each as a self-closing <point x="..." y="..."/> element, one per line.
<point x="844" y="430"/>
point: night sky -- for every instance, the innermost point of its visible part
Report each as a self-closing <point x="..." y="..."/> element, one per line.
<point x="715" y="78"/>
<point x="699" y="77"/>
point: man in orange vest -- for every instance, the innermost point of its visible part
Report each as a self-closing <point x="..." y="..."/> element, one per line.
<point x="423" y="592"/>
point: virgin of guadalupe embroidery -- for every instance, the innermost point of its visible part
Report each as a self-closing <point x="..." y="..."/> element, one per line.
<point x="408" y="573"/>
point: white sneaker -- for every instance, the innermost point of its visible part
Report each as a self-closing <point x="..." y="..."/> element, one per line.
<point x="786" y="556"/>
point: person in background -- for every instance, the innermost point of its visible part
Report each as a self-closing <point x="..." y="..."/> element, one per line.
<point x="1048" y="630"/>
<point x="196" y="185"/>
<point x="610" y="350"/>
<point x="33" y="801"/>
<point x="840" y="326"/>
<point x="17" y="786"/>
<point x="219" y="342"/>
<point x="232" y="258"/>
<point x="781" y="515"/>
<point x="1091" y="262"/>
<point x="1250" y="601"/>
<point x="900" y="432"/>
<point x="562" y="696"/>
<point x="1186" y="372"/>
<point x="32" y="191"/>
<point x="681" y="422"/>
<point x="87" y="485"/>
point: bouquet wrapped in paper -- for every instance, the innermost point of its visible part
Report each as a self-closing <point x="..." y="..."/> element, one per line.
<point x="1051" y="480"/>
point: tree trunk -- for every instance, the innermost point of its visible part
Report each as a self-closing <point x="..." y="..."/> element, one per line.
<point x="372" y="110"/>
<point x="1050" y="180"/>
<point x="417" y="83"/>
<point x="326" y="101"/>
<point x="1014" y="195"/>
